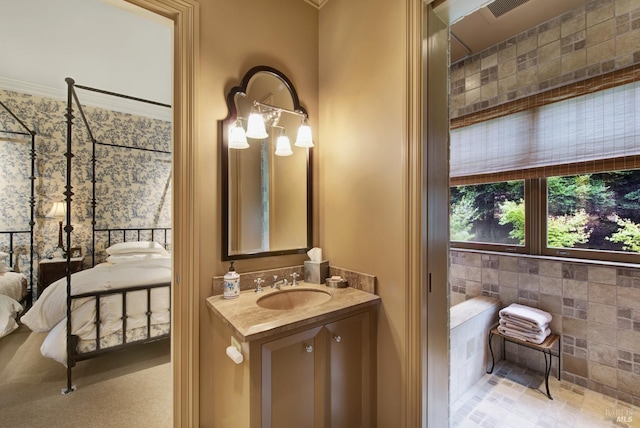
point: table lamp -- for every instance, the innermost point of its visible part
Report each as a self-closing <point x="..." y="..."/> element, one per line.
<point x="59" y="211"/>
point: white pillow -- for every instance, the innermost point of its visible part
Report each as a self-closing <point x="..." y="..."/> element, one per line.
<point x="136" y="247"/>
<point x="120" y="258"/>
<point x="3" y="256"/>
<point x="4" y="268"/>
<point x="9" y="308"/>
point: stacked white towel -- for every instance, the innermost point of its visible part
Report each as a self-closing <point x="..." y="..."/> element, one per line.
<point x="525" y="323"/>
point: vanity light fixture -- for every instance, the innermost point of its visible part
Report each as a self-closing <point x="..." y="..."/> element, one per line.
<point x="283" y="146"/>
<point x="304" y="138"/>
<point x="59" y="211"/>
<point x="237" y="136"/>
<point x="255" y="126"/>
<point x="256" y="129"/>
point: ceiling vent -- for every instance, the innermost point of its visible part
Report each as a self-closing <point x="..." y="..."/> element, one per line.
<point x="500" y="7"/>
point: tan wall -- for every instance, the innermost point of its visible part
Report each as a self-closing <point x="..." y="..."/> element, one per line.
<point x="362" y="157"/>
<point x="235" y="36"/>
<point x="358" y="76"/>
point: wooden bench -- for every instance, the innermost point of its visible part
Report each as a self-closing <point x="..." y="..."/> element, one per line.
<point x="544" y="347"/>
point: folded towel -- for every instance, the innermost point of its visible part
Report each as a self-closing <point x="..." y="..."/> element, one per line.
<point x="527" y="337"/>
<point x="542" y="334"/>
<point x="524" y="328"/>
<point x="525" y="314"/>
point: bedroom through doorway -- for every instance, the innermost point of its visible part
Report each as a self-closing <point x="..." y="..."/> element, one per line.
<point x="120" y="57"/>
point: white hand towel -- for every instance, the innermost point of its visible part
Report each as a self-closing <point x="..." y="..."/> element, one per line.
<point x="523" y="328"/>
<point x="526" y="313"/>
<point x="533" y="338"/>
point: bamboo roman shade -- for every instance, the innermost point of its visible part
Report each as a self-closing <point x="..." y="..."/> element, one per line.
<point x="593" y="132"/>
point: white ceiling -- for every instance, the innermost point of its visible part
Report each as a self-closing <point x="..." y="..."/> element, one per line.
<point x="110" y="45"/>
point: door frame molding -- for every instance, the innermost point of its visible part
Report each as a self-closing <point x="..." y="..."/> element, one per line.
<point x="185" y="328"/>
<point x="427" y="356"/>
<point x="414" y="359"/>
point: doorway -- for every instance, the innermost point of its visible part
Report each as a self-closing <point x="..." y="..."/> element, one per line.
<point x="78" y="16"/>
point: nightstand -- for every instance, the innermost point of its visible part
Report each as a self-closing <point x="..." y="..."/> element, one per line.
<point x="51" y="270"/>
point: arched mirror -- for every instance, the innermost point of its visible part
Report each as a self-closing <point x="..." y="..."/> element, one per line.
<point x="266" y="178"/>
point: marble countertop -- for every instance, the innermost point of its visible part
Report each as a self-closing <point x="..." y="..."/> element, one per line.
<point x="251" y="322"/>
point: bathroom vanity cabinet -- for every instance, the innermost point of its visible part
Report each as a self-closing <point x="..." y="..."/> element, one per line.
<point x="319" y="377"/>
<point x="322" y="374"/>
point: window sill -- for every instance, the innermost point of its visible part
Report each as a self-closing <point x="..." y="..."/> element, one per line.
<point x="551" y="258"/>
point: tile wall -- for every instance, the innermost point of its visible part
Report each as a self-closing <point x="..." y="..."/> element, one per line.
<point x="470" y="322"/>
<point x="598" y="38"/>
<point x="595" y="308"/>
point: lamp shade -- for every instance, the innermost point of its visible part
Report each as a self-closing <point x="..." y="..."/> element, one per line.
<point x="58" y="210"/>
<point x="255" y="127"/>
<point x="237" y="136"/>
<point x="283" y="146"/>
<point x="304" y="138"/>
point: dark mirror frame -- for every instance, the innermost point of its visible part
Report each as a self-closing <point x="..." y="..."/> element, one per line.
<point x="224" y="179"/>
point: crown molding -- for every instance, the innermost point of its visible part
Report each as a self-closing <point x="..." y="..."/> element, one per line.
<point x="93" y="99"/>
<point x="316" y="3"/>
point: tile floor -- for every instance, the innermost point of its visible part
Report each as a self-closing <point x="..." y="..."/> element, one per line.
<point x="515" y="397"/>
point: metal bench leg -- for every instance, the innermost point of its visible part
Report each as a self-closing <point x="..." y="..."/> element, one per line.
<point x="493" y="363"/>
<point x="559" y="355"/>
<point x="547" y="370"/>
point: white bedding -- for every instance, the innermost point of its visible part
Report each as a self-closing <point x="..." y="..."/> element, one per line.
<point x="13" y="284"/>
<point x="9" y="308"/>
<point x="49" y="311"/>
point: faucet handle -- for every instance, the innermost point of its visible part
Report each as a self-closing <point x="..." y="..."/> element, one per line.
<point x="295" y="276"/>
<point x="259" y="282"/>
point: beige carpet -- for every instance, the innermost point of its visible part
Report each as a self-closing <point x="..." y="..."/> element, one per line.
<point x="124" y="389"/>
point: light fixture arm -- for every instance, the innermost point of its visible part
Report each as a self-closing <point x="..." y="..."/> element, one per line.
<point x="272" y="107"/>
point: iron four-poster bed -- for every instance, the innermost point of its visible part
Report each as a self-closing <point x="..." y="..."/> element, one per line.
<point x="118" y="304"/>
<point x="72" y="340"/>
<point x="13" y="284"/>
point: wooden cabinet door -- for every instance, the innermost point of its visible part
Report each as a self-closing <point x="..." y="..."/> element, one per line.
<point x="292" y="381"/>
<point x="350" y="378"/>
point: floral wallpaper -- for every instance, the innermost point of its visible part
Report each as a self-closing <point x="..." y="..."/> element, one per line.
<point x="133" y="187"/>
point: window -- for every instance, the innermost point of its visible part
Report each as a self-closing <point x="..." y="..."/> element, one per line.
<point x="598" y="212"/>
<point x="559" y="178"/>
<point x="491" y="213"/>
<point x="594" y="216"/>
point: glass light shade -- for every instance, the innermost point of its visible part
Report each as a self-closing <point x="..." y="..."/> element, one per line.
<point x="237" y="137"/>
<point x="304" y="136"/>
<point x="58" y="210"/>
<point x="283" y="146"/>
<point x="255" y="127"/>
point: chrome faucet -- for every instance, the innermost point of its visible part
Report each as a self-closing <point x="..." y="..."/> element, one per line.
<point x="259" y="282"/>
<point x="295" y="276"/>
<point x="276" y="282"/>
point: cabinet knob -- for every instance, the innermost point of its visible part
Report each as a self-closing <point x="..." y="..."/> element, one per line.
<point x="337" y="338"/>
<point x="309" y="348"/>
